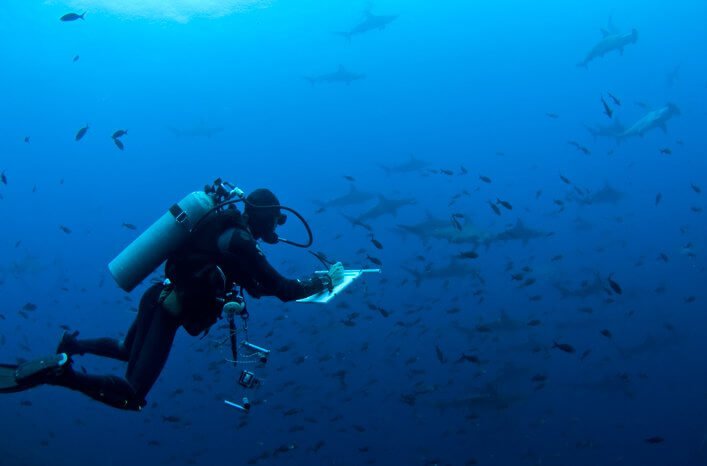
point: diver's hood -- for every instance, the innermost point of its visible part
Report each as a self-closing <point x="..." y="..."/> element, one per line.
<point x="264" y="215"/>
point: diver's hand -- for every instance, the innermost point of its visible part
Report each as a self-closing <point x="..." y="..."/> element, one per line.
<point x="336" y="274"/>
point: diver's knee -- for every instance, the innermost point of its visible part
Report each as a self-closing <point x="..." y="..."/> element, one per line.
<point x="119" y="393"/>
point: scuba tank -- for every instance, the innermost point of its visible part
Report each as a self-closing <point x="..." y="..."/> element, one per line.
<point x="169" y="233"/>
<point x="161" y="239"/>
<point x="173" y="229"/>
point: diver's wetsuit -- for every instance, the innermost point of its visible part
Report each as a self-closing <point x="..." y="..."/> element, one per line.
<point x="223" y="246"/>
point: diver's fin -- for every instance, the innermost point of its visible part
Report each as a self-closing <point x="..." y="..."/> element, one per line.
<point x="8" y="384"/>
<point x="16" y="378"/>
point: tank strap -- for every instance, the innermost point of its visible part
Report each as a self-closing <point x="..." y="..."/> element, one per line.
<point x="181" y="217"/>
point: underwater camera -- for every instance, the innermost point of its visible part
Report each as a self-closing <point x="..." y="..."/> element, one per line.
<point x="248" y="379"/>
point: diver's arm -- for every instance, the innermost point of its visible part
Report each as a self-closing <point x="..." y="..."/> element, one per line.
<point x="265" y="280"/>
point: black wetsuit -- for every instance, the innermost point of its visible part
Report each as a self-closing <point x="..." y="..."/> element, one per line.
<point x="223" y="247"/>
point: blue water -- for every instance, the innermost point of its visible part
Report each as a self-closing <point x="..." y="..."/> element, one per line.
<point x="208" y="93"/>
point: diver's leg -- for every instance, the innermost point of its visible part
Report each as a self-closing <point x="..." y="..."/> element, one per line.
<point x="149" y="305"/>
<point x="56" y="370"/>
<point x="109" y="389"/>
<point x="107" y="347"/>
<point x="149" y="353"/>
<point x="110" y="347"/>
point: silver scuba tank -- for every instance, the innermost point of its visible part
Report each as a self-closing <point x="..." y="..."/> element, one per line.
<point x="161" y="239"/>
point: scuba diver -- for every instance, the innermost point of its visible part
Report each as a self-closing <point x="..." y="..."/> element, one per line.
<point x="208" y="267"/>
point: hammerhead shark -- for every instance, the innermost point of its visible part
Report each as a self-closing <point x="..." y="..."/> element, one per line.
<point x="369" y="23"/>
<point x="341" y="75"/>
<point x="652" y="120"/>
<point x="611" y="40"/>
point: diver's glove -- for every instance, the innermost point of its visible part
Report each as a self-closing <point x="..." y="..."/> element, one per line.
<point x="336" y="275"/>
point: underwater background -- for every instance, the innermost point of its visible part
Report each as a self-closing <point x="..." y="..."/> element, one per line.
<point x="536" y="206"/>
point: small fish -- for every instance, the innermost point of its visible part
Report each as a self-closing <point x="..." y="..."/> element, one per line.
<point x="505" y="204"/>
<point x="565" y="180"/>
<point x="483" y="328"/>
<point x="485" y="179"/>
<point x="606" y="333"/>
<point x="29" y="307"/>
<point x="3" y="178"/>
<point x="292" y="411"/>
<point x="171" y="419"/>
<point x="129" y="226"/>
<point x="456" y="223"/>
<point x="494" y="207"/>
<point x="534" y="323"/>
<point x="26" y="139"/>
<point x="615" y="99"/>
<point x="538" y="193"/>
<point x="607" y="110"/>
<point x="375" y="260"/>
<point x="440" y="355"/>
<point x="654" y="440"/>
<point x="552" y="115"/>
<point x="119" y="144"/>
<point x="666" y="151"/>
<point x="539" y="378"/>
<point x="696" y="188"/>
<point x="72" y="17"/>
<point x="446" y="172"/>
<point x="585" y="354"/>
<point x="556" y="258"/>
<point x="468" y="255"/>
<point x="566" y="347"/>
<point x="463" y="170"/>
<point x="579" y="147"/>
<point x="664" y="257"/>
<point x="658" y="198"/>
<point x="346" y="177"/>
<point x="614" y="286"/>
<point x="120" y="133"/>
<point x="65" y="229"/>
<point x="469" y="358"/>
<point x="75" y="59"/>
<point x="81" y="133"/>
<point x="528" y="282"/>
<point x="376" y="243"/>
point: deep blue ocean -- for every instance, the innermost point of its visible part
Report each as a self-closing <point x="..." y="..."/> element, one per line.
<point x="531" y="187"/>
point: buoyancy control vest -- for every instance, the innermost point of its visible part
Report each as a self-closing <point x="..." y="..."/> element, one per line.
<point x="198" y="275"/>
